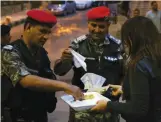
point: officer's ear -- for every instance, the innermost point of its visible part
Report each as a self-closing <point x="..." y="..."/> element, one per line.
<point x="27" y="26"/>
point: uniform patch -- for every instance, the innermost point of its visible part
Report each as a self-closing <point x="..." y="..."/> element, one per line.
<point x="8" y="47"/>
<point x="111" y="58"/>
<point x="90" y="58"/>
<point x="119" y="57"/>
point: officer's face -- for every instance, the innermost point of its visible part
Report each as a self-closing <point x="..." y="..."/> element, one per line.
<point x="155" y="6"/>
<point x="38" y="35"/>
<point x="98" y="30"/>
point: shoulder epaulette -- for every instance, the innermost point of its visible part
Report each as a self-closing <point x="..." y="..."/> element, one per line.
<point x="8" y="47"/>
<point x="75" y="43"/>
<point x="117" y="41"/>
<point x="80" y="39"/>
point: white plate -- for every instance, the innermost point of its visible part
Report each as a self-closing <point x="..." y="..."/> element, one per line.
<point x="85" y="104"/>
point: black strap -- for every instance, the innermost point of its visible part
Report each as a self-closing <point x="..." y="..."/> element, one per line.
<point x="145" y="66"/>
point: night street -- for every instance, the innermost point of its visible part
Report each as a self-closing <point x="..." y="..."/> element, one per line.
<point x="140" y="40"/>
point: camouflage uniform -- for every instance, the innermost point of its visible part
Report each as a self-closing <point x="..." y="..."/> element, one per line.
<point x="86" y="116"/>
<point x="12" y="64"/>
<point x="13" y="67"/>
<point x="17" y="62"/>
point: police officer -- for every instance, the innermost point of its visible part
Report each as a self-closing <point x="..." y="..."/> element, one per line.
<point x="26" y="69"/>
<point x="5" y="35"/>
<point x="102" y="51"/>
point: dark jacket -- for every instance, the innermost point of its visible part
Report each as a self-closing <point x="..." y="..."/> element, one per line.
<point x="102" y="60"/>
<point x="141" y="90"/>
<point x="41" y="63"/>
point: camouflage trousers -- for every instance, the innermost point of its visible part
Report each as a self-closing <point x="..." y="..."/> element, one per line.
<point x="85" y="116"/>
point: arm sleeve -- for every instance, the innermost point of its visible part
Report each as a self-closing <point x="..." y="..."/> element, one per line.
<point x="12" y="66"/>
<point x="139" y="103"/>
<point x="62" y="66"/>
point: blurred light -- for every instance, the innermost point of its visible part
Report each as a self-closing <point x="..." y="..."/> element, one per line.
<point x="61" y="30"/>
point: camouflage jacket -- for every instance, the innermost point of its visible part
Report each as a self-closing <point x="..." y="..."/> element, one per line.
<point x="12" y="65"/>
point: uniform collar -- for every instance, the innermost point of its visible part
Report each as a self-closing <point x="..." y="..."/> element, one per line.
<point x="107" y="41"/>
<point x="32" y="50"/>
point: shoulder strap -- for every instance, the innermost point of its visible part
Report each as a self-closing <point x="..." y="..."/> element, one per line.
<point x="145" y="66"/>
<point x="75" y="43"/>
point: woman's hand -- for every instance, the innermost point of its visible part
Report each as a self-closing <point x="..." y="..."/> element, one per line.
<point x="116" y="90"/>
<point x="114" y="86"/>
<point x="100" y="106"/>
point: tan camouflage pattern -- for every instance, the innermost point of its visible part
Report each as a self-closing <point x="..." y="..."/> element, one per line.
<point x="12" y="66"/>
<point x="87" y="116"/>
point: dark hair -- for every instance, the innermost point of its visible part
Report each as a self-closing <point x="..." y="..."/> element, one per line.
<point x="153" y="2"/>
<point x="34" y="22"/>
<point x="143" y="37"/>
<point x="137" y="10"/>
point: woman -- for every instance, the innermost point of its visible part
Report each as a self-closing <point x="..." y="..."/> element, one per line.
<point x="142" y="83"/>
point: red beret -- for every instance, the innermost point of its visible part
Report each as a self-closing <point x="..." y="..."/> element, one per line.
<point x="42" y="16"/>
<point x="98" y="13"/>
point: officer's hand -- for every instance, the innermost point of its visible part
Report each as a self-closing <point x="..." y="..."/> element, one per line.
<point x="116" y="90"/>
<point x="75" y="92"/>
<point x="67" y="54"/>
